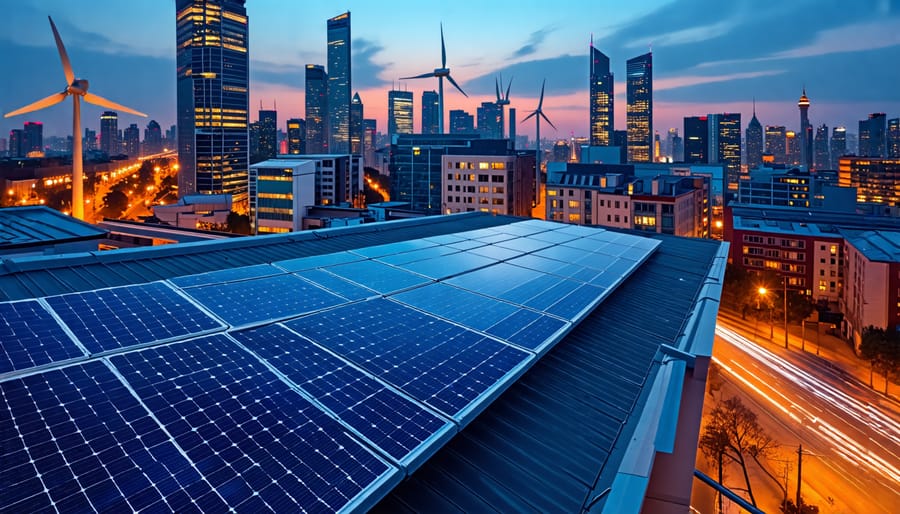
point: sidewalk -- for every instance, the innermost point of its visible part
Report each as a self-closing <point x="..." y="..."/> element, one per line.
<point x="832" y="352"/>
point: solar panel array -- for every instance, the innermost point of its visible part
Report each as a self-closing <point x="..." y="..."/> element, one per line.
<point x="311" y="384"/>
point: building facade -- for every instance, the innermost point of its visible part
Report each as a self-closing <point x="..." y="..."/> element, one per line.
<point x="501" y="184"/>
<point x="876" y="180"/>
<point x="754" y="142"/>
<point x="316" y="108"/>
<point x="806" y="132"/>
<point x="153" y="142"/>
<point x="639" y="111"/>
<point x="213" y="94"/>
<point x="34" y="137"/>
<point x="838" y="145"/>
<point x="462" y="122"/>
<point x="400" y="112"/>
<point x="339" y="83"/>
<point x="893" y="138"/>
<point x="490" y="120"/>
<point x="872" y="292"/>
<point x="872" y="135"/>
<point x="601" y="88"/>
<point x="431" y="112"/>
<point x="109" y="132"/>
<point x="776" y="144"/>
<point x="131" y="141"/>
<point x="725" y="146"/>
<point x="268" y="136"/>
<point x="280" y="192"/>
<point x="696" y="140"/>
<point x="296" y="136"/>
<point x="356" y="124"/>
<point x="822" y="155"/>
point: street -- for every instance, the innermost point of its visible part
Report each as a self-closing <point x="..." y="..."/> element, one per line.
<point x="850" y="433"/>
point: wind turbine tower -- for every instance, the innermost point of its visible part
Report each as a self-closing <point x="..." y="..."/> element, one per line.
<point x="502" y="101"/>
<point x="440" y="73"/>
<point x="78" y="90"/>
<point x="538" y="114"/>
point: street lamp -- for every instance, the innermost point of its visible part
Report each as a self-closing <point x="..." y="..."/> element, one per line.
<point x="762" y="294"/>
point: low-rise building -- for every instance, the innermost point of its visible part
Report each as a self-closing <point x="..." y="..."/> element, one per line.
<point x="795" y="187"/>
<point x="280" y="190"/>
<point x="872" y="292"/>
<point x="500" y="184"/>
<point x="195" y="211"/>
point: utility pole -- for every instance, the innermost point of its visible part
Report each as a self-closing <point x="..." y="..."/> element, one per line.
<point x="799" y="471"/>
<point x="784" y="279"/>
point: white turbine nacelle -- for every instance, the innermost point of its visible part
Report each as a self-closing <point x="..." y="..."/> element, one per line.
<point x="79" y="87"/>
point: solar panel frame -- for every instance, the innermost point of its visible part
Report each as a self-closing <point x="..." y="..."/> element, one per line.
<point x="372" y="252"/>
<point x="270" y="344"/>
<point x="226" y="275"/>
<point x="336" y="285"/>
<point x="380" y="277"/>
<point x="32" y="337"/>
<point x="445" y="266"/>
<point x="431" y="252"/>
<point x="317" y="261"/>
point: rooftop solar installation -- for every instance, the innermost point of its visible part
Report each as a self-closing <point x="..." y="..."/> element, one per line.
<point x="31" y="337"/>
<point x="306" y="384"/>
<point x="110" y="319"/>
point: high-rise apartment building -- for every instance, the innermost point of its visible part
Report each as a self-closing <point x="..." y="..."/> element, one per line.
<point x="131" y="141"/>
<point x="296" y="136"/>
<point x="461" y="122"/>
<point x="696" y="139"/>
<point x="490" y="120"/>
<point x="268" y="135"/>
<point x="17" y="143"/>
<point x="316" y="108"/>
<point x="370" y="130"/>
<point x="806" y="132"/>
<point x="792" y="148"/>
<point x="153" y="142"/>
<point x="754" y="141"/>
<point x="838" y="145"/>
<point x="639" y="112"/>
<point x="33" y="137"/>
<point x="725" y="146"/>
<point x="400" y="112"/>
<point x="431" y="112"/>
<point x="872" y="139"/>
<point x="776" y="144"/>
<point x="356" y="125"/>
<point x="893" y="138"/>
<point x="601" y="88"/>
<point x="109" y="132"/>
<point x="874" y="178"/>
<point x="213" y="98"/>
<point x="339" y="84"/>
<point x="822" y="157"/>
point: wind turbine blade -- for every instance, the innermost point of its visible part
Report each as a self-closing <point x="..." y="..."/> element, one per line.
<point x="541" y="101"/>
<point x="63" y="56"/>
<point x="443" y="50"/>
<point x="497" y="88"/>
<point x="526" y="118"/>
<point x="548" y="120"/>
<point x="507" y="89"/>
<point x="422" y="76"/>
<point x="53" y="99"/>
<point x="91" y="98"/>
<point x="457" y="86"/>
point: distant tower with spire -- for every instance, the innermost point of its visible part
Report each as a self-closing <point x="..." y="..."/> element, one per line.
<point x="754" y="137"/>
<point x="806" y="136"/>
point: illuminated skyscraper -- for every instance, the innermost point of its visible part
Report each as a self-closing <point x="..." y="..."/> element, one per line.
<point x="872" y="139"/>
<point x="213" y="98"/>
<point x="601" y="98"/>
<point x="893" y="138"/>
<point x="153" y="138"/>
<point x="34" y="137"/>
<point x="696" y="140"/>
<point x="776" y="143"/>
<point x="339" y="83"/>
<point x="370" y="129"/>
<point x="400" y="112"/>
<point x="838" y="145"/>
<point x="639" y="113"/>
<point x="754" y="135"/>
<point x="431" y="112"/>
<point x="268" y="135"/>
<point x="131" y="142"/>
<point x="296" y="136"/>
<point x="806" y="132"/>
<point x="461" y="122"/>
<point x="17" y="143"/>
<point x="490" y="120"/>
<point x="792" y="148"/>
<point x="356" y="125"/>
<point x="725" y="146"/>
<point x="822" y="157"/>
<point x="316" y="109"/>
<point x="109" y="132"/>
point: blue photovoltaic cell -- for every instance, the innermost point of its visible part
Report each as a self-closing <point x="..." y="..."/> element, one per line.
<point x="530" y="288"/>
<point x="522" y="229"/>
<point x="108" y="319"/>
<point x="532" y="261"/>
<point x="495" y="238"/>
<point x="377" y="276"/>
<point x="573" y="303"/>
<point x="524" y="244"/>
<point x="226" y="275"/>
<point x="444" y="239"/>
<point x="258" y="442"/>
<point x="392" y="422"/>
<point x="505" y="328"/>
<point x="392" y="248"/>
<point x="31" y="337"/>
<point x="586" y="243"/>
<point x="76" y="440"/>
<point x="263" y="299"/>
<point x="537" y="334"/>
<point x="495" y="252"/>
<point x="398" y="259"/>
<point x="563" y="253"/>
<point x="552" y="294"/>
<point x="493" y="280"/>
<point x="439" y="363"/>
<point x="318" y="261"/>
<point x="337" y="285"/>
<point x="449" y="265"/>
<point x="553" y="236"/>
<point x="464" y="307"/>
<point x="467" y="244"/>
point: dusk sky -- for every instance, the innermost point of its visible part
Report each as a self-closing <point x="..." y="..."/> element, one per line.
<point x="708" y="55"/>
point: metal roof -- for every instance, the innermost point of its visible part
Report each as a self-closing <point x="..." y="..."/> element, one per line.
<point x="876" y="245"/>
<point x="36" y="225"/>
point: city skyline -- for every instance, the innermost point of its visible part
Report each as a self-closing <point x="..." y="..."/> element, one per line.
<point x="708" y="58"/>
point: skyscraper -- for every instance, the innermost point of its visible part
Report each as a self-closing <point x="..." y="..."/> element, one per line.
<point x="490" y="120"/>
<point x="639" y="113"/>
<point x="792" y="148"/>
<point x="806" y="134"/>
<point x="268" y="135"/>
<point x="696" y="140"/>
<point x="17" y="143"/>
<point x="872" y="141"/>
<point x="109" y="132"/>
<point x="131" y="142"/>
<point x="893" y="138"/>
<point x="370" y="129"/>
<point x="725" y="146"/>
<point x="431" y="112"/>
<point x="316" y="109"/>
<point x="34" y="137"/>
<point x="213" y="98"/>
<point x="512" y="126"/>
<point x="339" y="83"/>
<point x="822" y="157"/>
<point x="838" y="145"/>
<point x="461" y="122"/>
<point x="152" y="138"/>
<point x="356" y="124"/>
<point x="400" y="112"/>
<point x="620" y="139"/>
<point x="601" y="98"/>
<point x="776" y="143"/>
<point x="754" y="135"/>
<point x="296" y="136"/>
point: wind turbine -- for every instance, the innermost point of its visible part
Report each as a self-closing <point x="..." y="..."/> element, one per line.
<point x="78" y="90"/>
<point x="502" y="101"/>
<point x="440" y="73"/>
<point x="538" y="114"/>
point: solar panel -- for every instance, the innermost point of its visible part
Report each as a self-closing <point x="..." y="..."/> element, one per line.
<point x="498" y="253"/>
<point x="317" y="261"/>
<point x="226" y="275"/>
<point x="393" y="248"/>
<point x="263" y="299"/>
<point x="108" y="319"/>
<point x="448" y="367"/>
<point x="417" y="255"/>
<point x="76" y="440"/>
<point x="524" y="244"/>
<point x="400" y="427"/>
<point x="464" y="307"/>
<point x="449" y="265"/>
<point x="336" y="285"/>
<point x="493" y="280"/>
<point x="31" y="337"/>
<point x="258" y="442"/>
<point x="377" y="276"/>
